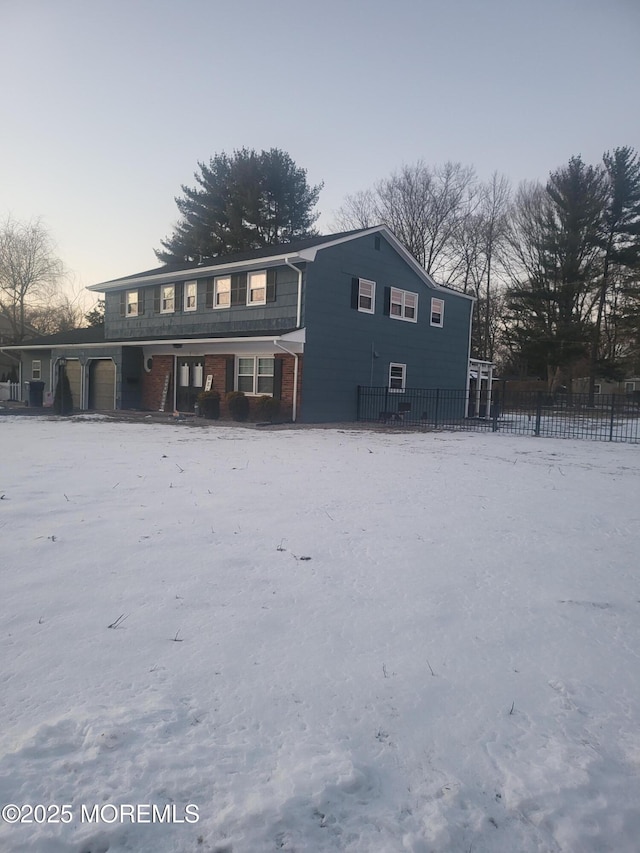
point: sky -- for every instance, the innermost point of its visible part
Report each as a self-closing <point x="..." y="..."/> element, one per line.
<point x="323" y="640"/>
<point x="109" y="105"/>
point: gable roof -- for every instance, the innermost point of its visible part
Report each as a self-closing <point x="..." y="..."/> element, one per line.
<point x="300" y="251"/>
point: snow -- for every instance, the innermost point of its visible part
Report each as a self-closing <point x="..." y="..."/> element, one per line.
<point x="324" y="639"/>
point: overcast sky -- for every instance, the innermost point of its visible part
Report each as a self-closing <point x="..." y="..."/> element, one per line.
<point x="108" y="105"/>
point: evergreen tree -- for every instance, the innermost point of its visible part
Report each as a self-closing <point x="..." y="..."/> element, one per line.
<point x="241" y="202"/>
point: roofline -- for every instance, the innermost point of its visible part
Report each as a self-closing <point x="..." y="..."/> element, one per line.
<point x="159" y="342"/>
<point x="307" y="255"/>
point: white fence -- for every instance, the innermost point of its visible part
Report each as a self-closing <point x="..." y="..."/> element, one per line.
<point x="10" y="391"/>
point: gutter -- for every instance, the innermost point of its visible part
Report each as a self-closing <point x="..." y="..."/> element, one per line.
<point x="299" y="305"/>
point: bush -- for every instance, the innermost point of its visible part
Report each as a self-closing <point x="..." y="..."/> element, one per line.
<point x="209" y="405"/>
<point x="267" y="408"/>
<point x="238" y="405"/>
<point x="62" y="399"/>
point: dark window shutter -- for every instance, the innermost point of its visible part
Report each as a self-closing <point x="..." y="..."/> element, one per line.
<point x="355" y="292"/>
<point x="387" y="301"/>
<point x="271" y="285"/>
<point x="156" y="299"/>
<point x="277" y="378"/>
<point x="140" y="302"/>
<point x="209" y="302"/>
<point x="229" y="379"/>
<point x="123" y="303"/>
<point x="239" y="288"/>
<point x="177" y="296"/>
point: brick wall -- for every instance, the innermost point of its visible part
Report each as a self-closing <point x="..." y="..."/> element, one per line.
<point x="153" y="384"/>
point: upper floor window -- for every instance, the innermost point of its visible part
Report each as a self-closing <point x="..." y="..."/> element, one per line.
<point x="222" y="292"/>
<point x="36" y="369"/>
<point x="257" y="288"/>
<point x="190" y="301"/>
<point x="437" y="312"/>
<point x="167" y="298"/>
<point x="133" y="304"/>
<point x="397" y="376"/>
<point x="403" y="305"/>
<point x="366" y="296"/>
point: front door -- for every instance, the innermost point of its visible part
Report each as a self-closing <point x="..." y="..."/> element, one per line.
<point x="190" y="379"/>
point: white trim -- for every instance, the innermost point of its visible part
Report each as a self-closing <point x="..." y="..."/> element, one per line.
<point x="393" y="364"/>
<point x="129" y="342"/>
<point x="128" y="303"/>
<point x="164" y="299"/>
<point x="187" y="284"/>
<point x="217" y="279"/>
<point x="371" y="296"/>
<point x="403" y="305"/>
<point x="251" y="301"/>
<point x="256" y="376"/>
<point x="439" y="325"/>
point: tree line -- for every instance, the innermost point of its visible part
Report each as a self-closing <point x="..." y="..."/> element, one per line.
<point x="554" y="267"/>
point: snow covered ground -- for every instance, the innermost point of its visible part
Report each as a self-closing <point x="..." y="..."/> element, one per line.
<point x="317" y="640"/>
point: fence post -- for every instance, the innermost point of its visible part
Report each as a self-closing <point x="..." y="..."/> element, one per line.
<point x="435" y="417"/>
<point x="612" y="418"/>
<point x="495" y="403"/>
<point x="538" y="413"/>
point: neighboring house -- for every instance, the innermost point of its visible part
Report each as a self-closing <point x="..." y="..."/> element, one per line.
<point x="304" y="322"/>
<point x="631" y="385"/>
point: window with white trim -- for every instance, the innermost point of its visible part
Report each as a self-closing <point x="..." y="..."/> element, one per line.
<point x="437" y="312"/>
<point x="403" y="305"/>
<point x="257" y="288"/>
<point x="366" y="296"/>
<point x="222" y="292"/>
<point x="36" y="369"/>
<point x="167" y="298"/>
<point x="597" y="388"/>
<point x="629" y="387"/>
<point x="132" y="303"/>
<point x="255" y="375"/>
<point x="397" y="377"/>
<point x="190" y="296"/>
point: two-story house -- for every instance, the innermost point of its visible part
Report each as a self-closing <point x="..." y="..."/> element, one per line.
<point x="305" y="322"/>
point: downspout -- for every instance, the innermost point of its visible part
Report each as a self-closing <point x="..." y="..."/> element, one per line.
<point x="294" y="410"/>
<point x="299" y="307"/>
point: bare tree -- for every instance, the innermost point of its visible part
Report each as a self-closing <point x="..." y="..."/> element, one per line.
<point x="422" y="205"/>
<point x="29" y="271"/>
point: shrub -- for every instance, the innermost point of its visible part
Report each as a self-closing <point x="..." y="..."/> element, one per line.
<point x="267" y="408"/>
<point x="238" y="405"/>
<point x="209" y="404"/>
<point x="62" y="399"/>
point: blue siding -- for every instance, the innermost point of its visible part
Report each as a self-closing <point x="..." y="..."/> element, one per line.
<point x="273" y="317"/>
<point x="346" y="348"/>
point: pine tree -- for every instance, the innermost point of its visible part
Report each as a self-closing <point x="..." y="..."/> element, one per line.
<point x="241" y="202"/>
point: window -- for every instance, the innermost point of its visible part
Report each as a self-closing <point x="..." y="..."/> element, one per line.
<point x="190" y="301"/>
<point x="366" y="296"/>
<point x="597" y="388"/>
<point x="629" y="387"/>
<point x="222" y="292"/>
<point x="132" y="303"/>
<point x="36" y="369"/>
<point x="403" y="305"/>
<point x="397" y="377"/>
<point x="255" y="375"/>
<point x="257" y="288"/>
<point x="167" y="298"/>
<point x="437" y="312"/>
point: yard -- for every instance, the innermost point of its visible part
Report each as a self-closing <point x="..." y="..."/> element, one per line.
<point x="316" y="640"/>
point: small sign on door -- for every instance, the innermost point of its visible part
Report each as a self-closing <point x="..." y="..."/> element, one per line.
<point x="209" y="382"/>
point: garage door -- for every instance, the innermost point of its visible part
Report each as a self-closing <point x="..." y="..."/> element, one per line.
<point x="102" y="384"/>
<point x="73" y="375"/>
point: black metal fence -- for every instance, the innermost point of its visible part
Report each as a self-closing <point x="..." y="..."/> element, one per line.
<point x="611" y="417"/>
